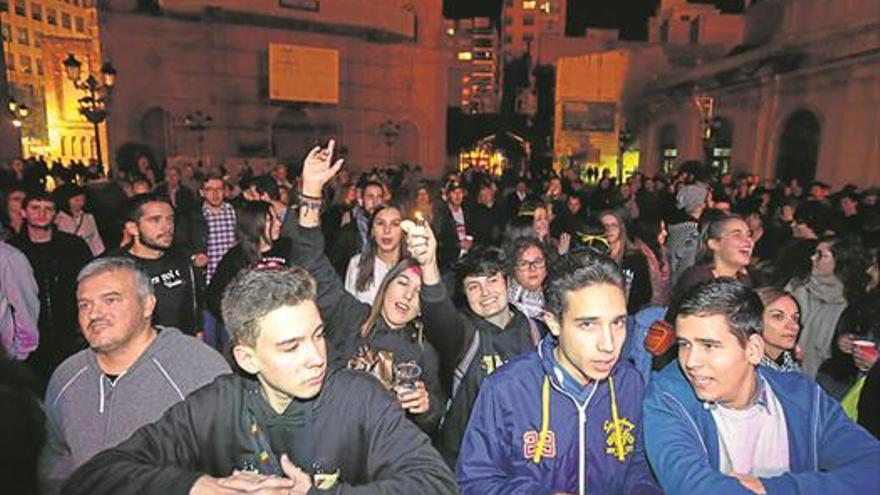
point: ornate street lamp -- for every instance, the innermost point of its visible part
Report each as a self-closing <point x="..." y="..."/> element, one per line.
<point x="391" y="131"/>
<point x="93" y="106"/>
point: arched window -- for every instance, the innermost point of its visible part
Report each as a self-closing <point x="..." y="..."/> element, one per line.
<point x="799" y="147"/>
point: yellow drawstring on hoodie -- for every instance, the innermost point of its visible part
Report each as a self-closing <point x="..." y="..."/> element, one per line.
<point x="545" y="420"/>
<point x="617" y="436"/>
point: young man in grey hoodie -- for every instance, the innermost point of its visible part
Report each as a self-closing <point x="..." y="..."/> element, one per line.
<point x="131" y="373"/>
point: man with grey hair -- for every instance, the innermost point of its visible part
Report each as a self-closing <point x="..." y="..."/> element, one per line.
<point x="131" y="373"/>
<point x="293" y="427"/>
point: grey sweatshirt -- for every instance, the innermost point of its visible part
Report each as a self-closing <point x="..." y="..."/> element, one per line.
<point x="86" y="414"/>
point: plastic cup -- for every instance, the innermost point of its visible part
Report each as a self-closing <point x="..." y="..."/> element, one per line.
<point x="405" y="376"/>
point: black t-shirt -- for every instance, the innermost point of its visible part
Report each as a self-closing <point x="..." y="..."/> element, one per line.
<point x="177" y="292"/>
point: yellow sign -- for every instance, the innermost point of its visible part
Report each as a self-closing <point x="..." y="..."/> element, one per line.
<point x="303" y="74"/>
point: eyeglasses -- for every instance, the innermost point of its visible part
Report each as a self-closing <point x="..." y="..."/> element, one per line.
<point x="531" y="265"/>
<point x="823" y="254"/>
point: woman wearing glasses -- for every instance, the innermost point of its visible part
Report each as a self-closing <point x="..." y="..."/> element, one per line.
<point x="527" y="273"/>
<point x="631" y="261"/>
<point x="838" y="278"/>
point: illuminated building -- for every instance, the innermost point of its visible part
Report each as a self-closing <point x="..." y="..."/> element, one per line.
<point x="797" y="98"/>
<point x="474" y="70"/>
<point x="279" y="76"/>
<point x="37" y="35"/>
<point x="525" y="22"/>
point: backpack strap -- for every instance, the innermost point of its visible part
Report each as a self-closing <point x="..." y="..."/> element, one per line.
<point x="465" y="362"/>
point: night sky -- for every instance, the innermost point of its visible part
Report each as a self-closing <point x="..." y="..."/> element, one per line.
<point x="630" y="16"/>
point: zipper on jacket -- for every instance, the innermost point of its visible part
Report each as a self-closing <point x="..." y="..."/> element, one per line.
<point x="582" y="432"/>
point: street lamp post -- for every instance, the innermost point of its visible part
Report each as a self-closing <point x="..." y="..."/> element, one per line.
<point x="92" y="106"/>
<point x="390" y="130"/>
<point x="198" y="122"/>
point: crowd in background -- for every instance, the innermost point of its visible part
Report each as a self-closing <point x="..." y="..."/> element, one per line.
<point x="811" y="252"/>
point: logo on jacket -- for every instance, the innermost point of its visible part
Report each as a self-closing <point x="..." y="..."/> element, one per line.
<point x="530" y="443"/>
<point x="620" y="439"/>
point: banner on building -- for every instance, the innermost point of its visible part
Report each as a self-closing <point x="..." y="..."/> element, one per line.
<point x="303" y="74"/>
<point x="588" y="116"/>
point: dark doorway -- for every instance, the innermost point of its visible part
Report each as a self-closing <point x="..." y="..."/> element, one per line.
<point x="799" y="147"/>
<point x="668" y="148"/>
<point x="721" y="146"/>
<point x="154" y="131"/>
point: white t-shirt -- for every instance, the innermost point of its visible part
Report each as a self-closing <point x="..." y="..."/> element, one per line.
<point x="351" y="273"/>
<point x="753" y="440"/>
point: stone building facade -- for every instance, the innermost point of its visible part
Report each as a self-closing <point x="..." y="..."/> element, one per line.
<point x="797" y="99"/>
<point x="211" y="56"/>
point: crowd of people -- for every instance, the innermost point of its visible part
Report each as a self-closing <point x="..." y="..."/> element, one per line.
<point x="293" y="330"/>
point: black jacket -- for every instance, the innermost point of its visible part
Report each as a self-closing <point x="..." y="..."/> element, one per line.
<point x="344" y="315"/>
<point x="353" y="426"/>
<point x="232" y="263"/>
<point x="451" y="332"/>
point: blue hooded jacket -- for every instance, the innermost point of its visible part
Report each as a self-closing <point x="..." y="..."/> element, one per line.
<point x="507" y="448"/>
<point x="828" y="453"/>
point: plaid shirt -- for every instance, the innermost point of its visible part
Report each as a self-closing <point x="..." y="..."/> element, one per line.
<point x="220" y="235"/>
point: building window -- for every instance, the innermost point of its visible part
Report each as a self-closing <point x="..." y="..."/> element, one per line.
<point x="20" y="8"/>
<point x="530" y="4"/>
<point x="529" y="20"/>
<point x="39" y="63"/>
<point x="80" y="25"/>
<point x="63" y="145"/>
<point x="695" y="31"/>
<point x="7" y="34"/>
<point x="508" y="38"/>
<point x="38" y="39"/>
<point x="23" y="38"/>
<point x="4" y="6"/>
<point x="508" y="21"/>
<point x="65" y="20"/>
<point x="25" y="64"/>
<point x="465" y="56"/>
<point x="528" y="38"/>
<point x="37" y="11"/>
<point x="10" y="62"/>
<point x="52" y="16"/>
<point x="483" y="56"/>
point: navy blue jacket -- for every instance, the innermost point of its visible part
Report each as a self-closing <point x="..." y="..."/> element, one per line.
<point x="579" y="454"/>
<point x="828" y="453"/>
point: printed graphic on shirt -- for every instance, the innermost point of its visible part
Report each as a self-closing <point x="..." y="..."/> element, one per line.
<point x="620" y="439"/>
<point x="530" y="444"/>
<point x="491" y="362"/>
<point x="169" y="279"/>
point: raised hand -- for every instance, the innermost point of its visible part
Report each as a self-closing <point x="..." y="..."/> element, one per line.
<point x="420" y="242"/>
<point x="318" y="169"/>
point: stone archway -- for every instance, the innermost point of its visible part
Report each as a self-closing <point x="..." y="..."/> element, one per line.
<point x="799" y="147"/>
<point x="154" y="132"/>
